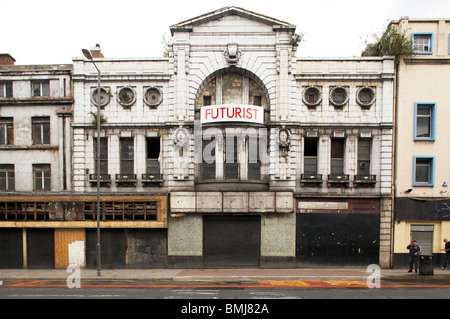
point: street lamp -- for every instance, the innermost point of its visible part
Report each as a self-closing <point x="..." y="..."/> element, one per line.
<point x="88" y="56"/>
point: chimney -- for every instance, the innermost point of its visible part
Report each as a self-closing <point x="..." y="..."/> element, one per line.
<point x="6" y="59"/>
<point x="97" y="52"/>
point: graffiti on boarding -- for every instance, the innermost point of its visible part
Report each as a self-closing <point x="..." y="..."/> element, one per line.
<point x="444" y="210"/>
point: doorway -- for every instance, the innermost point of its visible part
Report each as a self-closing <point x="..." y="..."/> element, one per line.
<point x="424" y="236"/>
<point x="232" y="241"/>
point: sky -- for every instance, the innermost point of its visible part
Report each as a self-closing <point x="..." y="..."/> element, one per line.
<point x="55" y="31"/>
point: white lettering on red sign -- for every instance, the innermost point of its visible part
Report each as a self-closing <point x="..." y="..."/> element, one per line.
<point x="232" y="113"/>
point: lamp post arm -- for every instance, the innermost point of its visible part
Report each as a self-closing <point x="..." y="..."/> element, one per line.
<point x="88" y="55"/>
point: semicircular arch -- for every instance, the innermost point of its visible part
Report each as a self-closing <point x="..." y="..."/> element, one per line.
<point x="207" y="82"/>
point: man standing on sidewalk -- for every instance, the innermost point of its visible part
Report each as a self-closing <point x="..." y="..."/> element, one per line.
<point x="447" y="252"/>
<point x="414" y="252"/>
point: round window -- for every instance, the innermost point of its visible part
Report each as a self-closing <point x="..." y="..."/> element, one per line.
<point x="365" y="96"/>
<point x="312" y="96"/>
<point x="339" y="96"/>
<point x="153" y="97"/>
<point x="126" y="97"/>
<point x="104" y="97"/>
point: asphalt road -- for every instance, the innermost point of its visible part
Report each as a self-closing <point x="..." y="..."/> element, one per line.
<point x="212" y="290"/>
<point x="225" y="293"/>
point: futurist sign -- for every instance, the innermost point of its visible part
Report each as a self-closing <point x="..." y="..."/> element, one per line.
<point x="232" y="113"/>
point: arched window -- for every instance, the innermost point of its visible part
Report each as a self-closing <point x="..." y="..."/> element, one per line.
<point x="233" y="106"/>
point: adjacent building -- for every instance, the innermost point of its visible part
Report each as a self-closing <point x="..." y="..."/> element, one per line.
<point x="135" y="152"/>
<point x="343" y="189"/>
<point x="35" y="160"/>
<point x="422" y="168"/>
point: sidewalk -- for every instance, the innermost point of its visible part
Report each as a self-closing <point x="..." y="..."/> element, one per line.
<point x="343" y="273"/>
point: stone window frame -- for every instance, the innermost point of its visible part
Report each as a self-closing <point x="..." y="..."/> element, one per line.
<point x="125" y="104"/>
<point x="319" y="98"/>
<point x="106" y="92"/>
<point x="360" y="101"/>
<point x="338" y="104"/>
<point x="158" y="102"/>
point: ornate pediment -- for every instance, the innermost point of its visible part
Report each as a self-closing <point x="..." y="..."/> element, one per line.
<point x="188" y="25"/>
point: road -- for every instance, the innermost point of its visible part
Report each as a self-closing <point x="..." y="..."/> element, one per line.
<point x="269" y="289"/>
<point x="225" y="293"/>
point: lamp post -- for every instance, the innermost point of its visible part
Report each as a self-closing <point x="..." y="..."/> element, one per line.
<point x="88" y="56"/>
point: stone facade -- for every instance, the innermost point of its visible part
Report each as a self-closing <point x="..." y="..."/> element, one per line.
<point x="36" y="118"/>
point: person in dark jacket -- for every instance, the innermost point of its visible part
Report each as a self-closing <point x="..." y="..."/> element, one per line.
<point x="414" y="252"/>
<point x="447" y="252"/>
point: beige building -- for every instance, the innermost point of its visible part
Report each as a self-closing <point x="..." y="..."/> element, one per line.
<point x="422" y="170"/>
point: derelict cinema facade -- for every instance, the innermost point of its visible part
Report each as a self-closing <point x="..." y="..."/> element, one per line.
<point x="287" y="161"/>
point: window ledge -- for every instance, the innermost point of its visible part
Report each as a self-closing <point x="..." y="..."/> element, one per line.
<point x="427" y="139"/>
<point x="232" y="185"/>
<point x="31" y="147"/>
<point x="36" y="100"/>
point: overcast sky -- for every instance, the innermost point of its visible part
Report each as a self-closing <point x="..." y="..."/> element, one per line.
<point x="55" y="31"/>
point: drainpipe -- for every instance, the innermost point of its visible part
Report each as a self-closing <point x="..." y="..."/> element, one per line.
<point x="394" y="156"/>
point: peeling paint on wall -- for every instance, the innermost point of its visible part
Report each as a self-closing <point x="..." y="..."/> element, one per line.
<point x="22" y="131"/>
<point x="76" y="253"/>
